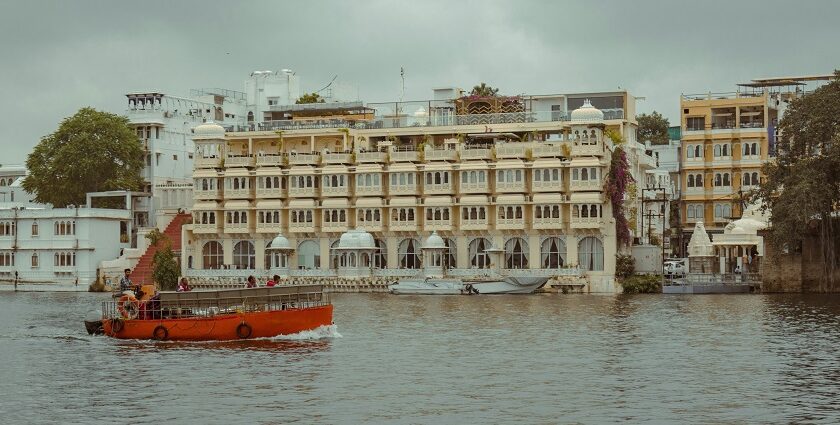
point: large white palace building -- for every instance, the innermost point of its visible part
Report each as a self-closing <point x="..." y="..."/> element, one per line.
<point x="522" y="174"/>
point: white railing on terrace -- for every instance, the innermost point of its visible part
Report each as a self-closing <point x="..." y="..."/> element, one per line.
<point x="475" y="187"/>
<point x="510" y="186"/>
<point x="338" y="191"/>
<point x="510" y="151"/>
<point x="210" y="162"/>
<point x="304" y="158"/>
<point x="239" y="161"/>
<point x="303" y="191"/>
<point x="270" y="160"/>
<point x="548" y="223"/>
<point x="544" y="151"/>
<point x="274" y="192"/>
<point x="547" y="185"/>
<point x="338" y="158"/>
<point x="585" y="184"/>
<point x="582" y="150"/>
<point x="404" y="156"/>
<point x="473" y="224"/>
<point x="237" y="227"/>
<point x="479" y="153"/>
<point x="586" y="222"/>
<point x="407" y="189"/>
<point x="371" y="157"/>
<point x="403" y="225"/>
<point x="437" y="188"/>
<point x="441" y="155"/>
<point x="369" y="190"/>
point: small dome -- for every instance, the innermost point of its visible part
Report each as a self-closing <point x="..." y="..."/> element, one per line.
<point x="209" y="130"/>
<point x="356" y="239"/>
<point x="434" y="242"/>
<point x="738" y="230"/>
<point x="280" y="242"/>
<point x="420" y="112"/>
<point x="587" y="113"/>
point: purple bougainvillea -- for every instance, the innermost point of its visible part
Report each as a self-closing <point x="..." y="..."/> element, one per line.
<point x="615" y="187"/>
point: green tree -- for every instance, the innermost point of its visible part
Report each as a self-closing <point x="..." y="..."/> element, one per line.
<point x="653" y="127"/>
<point x="801" y="187"/>
<point x="165" y="270"/>
<point x="91" y="151"/>
<point x="310" y="98"/>
<point x="484" y="90"/>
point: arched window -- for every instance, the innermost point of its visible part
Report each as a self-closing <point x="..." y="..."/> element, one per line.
<point x="689" y="153"/>
<point x="267" y="263"/>
<point x="755" y="150"/>
<point x="717" y="151"/>
<point x="746" y="180"/>
<point x="746" y="149"/>
<point x="553" y="253"/>
<point x="698" y="151"/>
<point x="591" y="254"/>
<point x="516" y="254"/>
<point x="478" y="253"/>
<point x="244" y="257"/>
<point x="408" y="254"/>
<point x="450" y="259"/>
<point x="34" y="228"/>
<point x="718" y="211"/>
<point x="698" y="181"/>
<point x="334" y="254"/>
<point x="725" y="150"/>
<point x="309" y="255"/>
<point x="718" y="180"/>
<point x="213" y="255"/>
<point x="691" y="180"/>
<point x="727" y="211"/>
<point x="726" y="181"/>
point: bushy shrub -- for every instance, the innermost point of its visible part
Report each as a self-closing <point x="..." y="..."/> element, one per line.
<point x="642" y="284"/>
<point x="624" y="265"/>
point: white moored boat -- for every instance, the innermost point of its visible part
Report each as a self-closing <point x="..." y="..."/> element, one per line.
<point x="434" y="282"/>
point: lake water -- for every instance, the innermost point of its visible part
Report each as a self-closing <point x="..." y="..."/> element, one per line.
<point x="525" y="359"/>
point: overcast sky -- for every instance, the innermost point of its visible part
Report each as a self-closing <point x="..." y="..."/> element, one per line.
<point x="58" y="56"/>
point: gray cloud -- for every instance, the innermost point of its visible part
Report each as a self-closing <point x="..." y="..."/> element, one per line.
<point x="60" y="56"/>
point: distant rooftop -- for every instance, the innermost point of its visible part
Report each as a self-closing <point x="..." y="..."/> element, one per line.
<point x="786" y="81"/>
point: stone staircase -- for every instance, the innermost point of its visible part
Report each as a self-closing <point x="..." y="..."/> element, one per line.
<point x="142" y="273"/>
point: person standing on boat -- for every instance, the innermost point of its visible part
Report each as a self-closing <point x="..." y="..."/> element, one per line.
<point x="125" y="281"/>
<point x="184" y="285"/>
<point x="252" y="282"/>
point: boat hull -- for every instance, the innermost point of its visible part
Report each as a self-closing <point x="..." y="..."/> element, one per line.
<point x="223" y="327"/>
<point x="507" y="285"/>
<point x="428" y="287"/>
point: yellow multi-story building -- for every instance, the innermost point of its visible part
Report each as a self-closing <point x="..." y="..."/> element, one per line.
<point x="725" y="140"/>
<point x="519" y="174"/>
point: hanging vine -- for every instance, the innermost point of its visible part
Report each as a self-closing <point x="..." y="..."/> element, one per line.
<point x="615" y="187"/>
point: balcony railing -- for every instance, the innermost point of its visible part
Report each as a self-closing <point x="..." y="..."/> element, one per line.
<point x="239" y="193"/>
<point x="370" y="226"/>
<point x="304" y="159"/>
<point x="272" y="160"/>
<point x="441" y="155"/>
<point x="208" y="194"/>
<point x="475" y="187"/>
<point x="407" y="189"/>
<point x="473" y="224"/>
<point x="547" y="151"/>
<point x="588" y="150"/>
<point x="438" y="189"/>
<point x="479" y="153"/>
<point x="302" y="227"/>
<point x="397" y="226"/>
<point x="211" y="162"/>
<point x="371" y="157"/>
<point x="237" y="228"/>
<point x="510" y="223"/>
<point x="586" y="222"/>
<point x="441" y="225"/>
<point x="547" y="186"/>
<point x="273" y="228"/>
<point x="404" y="156"/>
<point x="303" y="192"/>
<point x="510" y="151"/>
<point x="369" y="191"/>
<point x="239" y="161"/>
<point x="274" y="192"/>
<point x="585" y="185"/>
<point x="510" y="186"/>
<point x="547" y="223"/>
<point x="335" y="191"/>
<point x="338" y="158"/>
<point x="335" y="227"/>
<point x="205" y="228"/>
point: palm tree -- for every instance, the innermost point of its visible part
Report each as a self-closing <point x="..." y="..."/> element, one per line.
<point x="484" y="90"/>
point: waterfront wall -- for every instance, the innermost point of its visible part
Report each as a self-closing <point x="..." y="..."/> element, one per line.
<point x="797" y="271"/>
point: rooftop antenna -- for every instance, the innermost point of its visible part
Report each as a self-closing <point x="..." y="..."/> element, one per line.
<point x="402" y="78"/>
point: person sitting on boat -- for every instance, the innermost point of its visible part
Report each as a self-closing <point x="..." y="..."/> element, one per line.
<point x="275" y="280"/>
<point x="184" y="285"/>
<point x="252" y="282"/>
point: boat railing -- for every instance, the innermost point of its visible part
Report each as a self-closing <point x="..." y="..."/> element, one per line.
<point x="207" y="304"/>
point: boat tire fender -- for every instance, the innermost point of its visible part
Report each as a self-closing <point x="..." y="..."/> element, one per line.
<point x="160" y="333"/>
<point x="117" y="325"/>
<point x="243" y="330"/>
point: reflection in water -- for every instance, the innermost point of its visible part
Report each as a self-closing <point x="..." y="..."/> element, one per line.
<point x="543" y="358"/>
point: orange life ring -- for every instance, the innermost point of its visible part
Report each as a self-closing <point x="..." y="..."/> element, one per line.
<point x="128" y="306"/>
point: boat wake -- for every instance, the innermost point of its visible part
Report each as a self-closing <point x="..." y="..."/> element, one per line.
<point x="321" y="332"/>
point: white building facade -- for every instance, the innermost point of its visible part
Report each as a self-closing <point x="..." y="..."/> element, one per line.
<point x="59" y="248"/>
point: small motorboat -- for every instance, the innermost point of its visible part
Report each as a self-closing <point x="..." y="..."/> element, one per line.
<point x="455" y="286"/>
<point x="218" y="315"/>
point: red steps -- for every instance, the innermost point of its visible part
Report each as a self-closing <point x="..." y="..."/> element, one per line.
<point x="142" y="272"/>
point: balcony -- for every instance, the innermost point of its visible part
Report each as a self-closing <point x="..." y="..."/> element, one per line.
<point x="211" y="162"/>
<point x="273" y="160"/>
<point x="239" y="161"/>
<point x="548" y="151"/>
<point x="303" y="192"/>
<point x="208" y="194"/>
<point x="370" y="226"/>
<point x="237" y="228"/>
<point x="585" y="185"/>
<point x="335" y="191"/>
<point x="205" y="228"/>
<point x="473" y="224"/>
<point x="438" y="225"/>
<point x="239" y="193"/>
<point x="588" y="150"/>
<point x="475" y="188"/>
<point x="510" y="223"/>
<point x="371" y="157"/>
<point x="274" y="192"/>
<point x="407" y="189"/>
<point x="304" y="159"/>
<point x="694" y="191"/>
<point x="511" y="151"/>
<point x="438" y="189"/>
<point x="270" y="228"/>
<point x="586" y="222"/>
<point x="403" y="226"/>
<point x="510" y="187"/>
<point x="547" y="186"/>
<point x="302" y="227"/>
<point x="476" y="154"/>
<point x="404" y="156"/>
<point x="335" y="227"/>
<point x="441" y="155"/>
<point x="722" y="190"/>
<point x="547" y="224"/>
<point x="369" y="191"/>
<point x="338" y="158"/>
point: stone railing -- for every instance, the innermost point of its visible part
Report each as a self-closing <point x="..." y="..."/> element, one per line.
<point x="476" y="154"/>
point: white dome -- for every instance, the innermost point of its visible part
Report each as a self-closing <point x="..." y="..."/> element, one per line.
<point x="280" y="242"/>
<point x="209" y="130"/>
<point x="434" y="242"/>
<point x="356" y="239"/>
<point x="421" y="112"/>
<point x="587" y="113"/>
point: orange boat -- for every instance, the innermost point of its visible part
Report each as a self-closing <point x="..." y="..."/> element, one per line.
<point x="221" y="315"/>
